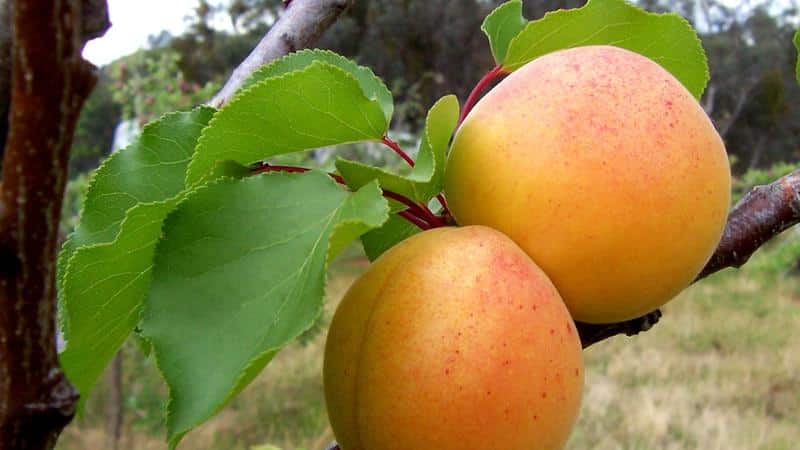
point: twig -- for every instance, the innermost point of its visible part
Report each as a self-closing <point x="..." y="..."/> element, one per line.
<point x="300" y="25"/>
<point x="759" y="216"/>
<point x="49" y="83"/>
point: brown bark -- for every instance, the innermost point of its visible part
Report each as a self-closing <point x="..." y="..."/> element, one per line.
<point x="5" y="71"/>
<point x="49" y="83"/>
<point x="114" y="406"/>
<point x="762" y="214"/>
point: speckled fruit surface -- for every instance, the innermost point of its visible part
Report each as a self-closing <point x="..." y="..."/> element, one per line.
<point x="453" y="340"/>
<point x="604" y="169"/>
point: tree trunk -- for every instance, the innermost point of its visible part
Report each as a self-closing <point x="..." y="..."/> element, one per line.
<point x="49" y="83"/>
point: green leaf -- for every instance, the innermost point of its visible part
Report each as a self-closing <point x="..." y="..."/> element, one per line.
<point x="104" y="291"/>
<point x="317" y="106"/>
<point x="425" y="179"/>
<point x="151" y="169"/>
<point x="372" y="86"/>
<point x="104" y="267"/>
<point x="502" y="25"/>
<point x="667" y="39"/>
<point x="797" y="46"/>
<point x="394" y="231"/>
<point x="238" y="274"/>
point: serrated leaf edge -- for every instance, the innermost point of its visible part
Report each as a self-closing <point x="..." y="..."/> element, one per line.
<point x="357" y="67"/>
<point x="64" y="260"/>
<point x="243" y="93"/>
<point x="659" y="16"/>
<point x="497" y="10"/>
<point x="414" y="177"/>
<point x="174" y="439"/>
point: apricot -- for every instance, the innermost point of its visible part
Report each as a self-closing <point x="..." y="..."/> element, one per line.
<point x="604" y="169"/>
<point x="453" y="339"/>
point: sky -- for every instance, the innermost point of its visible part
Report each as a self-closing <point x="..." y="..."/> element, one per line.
<point x="132" y="21"/>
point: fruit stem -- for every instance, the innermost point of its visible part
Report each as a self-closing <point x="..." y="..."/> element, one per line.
<point x="437" y="222"/>
<point x="421" y="224"/>
<point x="496" y="72"/>
<point x="420" y="211"/>
<point x="397" y="149"/>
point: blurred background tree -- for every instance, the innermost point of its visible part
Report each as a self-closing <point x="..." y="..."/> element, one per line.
<point x="425" y="48"/>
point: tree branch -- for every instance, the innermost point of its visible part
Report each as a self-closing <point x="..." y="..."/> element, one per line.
<point x="49" y="83"/>
<point x="759" y="216"/>
<point x="300" y="25"/>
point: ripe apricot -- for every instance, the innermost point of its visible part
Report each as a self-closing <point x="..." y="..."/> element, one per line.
<point x="453" y="339"/>
<point x="604" y="169"/>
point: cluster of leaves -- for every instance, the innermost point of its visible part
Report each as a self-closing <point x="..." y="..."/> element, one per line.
<point x="217" y="268"/>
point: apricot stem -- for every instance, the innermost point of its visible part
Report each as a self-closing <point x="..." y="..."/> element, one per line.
<point x="419" y="210"/>
<point x="421" y="224"/>
<point x="497" y="71"/>
<point x="437" y="222"/>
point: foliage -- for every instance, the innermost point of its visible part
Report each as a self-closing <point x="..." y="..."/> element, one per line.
<point x="217" y="265"/>
<point x="148" y="84"/>
<point x="665" y="38"/>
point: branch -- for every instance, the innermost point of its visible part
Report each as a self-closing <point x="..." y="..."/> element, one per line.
<point x="49" y="83"/>
<point x="762" y="214"/>
<point x="300" y="25"/>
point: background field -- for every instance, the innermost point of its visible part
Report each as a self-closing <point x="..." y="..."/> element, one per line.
<point x="721" y="371"/>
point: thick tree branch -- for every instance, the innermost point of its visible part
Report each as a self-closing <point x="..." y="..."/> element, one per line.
<point x="759" y="216"/>
<point x="300" y="25"/>
<point x="49" y="83"/>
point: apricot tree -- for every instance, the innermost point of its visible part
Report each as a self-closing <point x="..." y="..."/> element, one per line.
<point x="193" y="240"/>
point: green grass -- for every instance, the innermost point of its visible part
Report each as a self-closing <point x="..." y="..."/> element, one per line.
<point x="721" y="371"/>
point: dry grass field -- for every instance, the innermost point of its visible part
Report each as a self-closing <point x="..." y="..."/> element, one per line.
<point x="721" y="372"/>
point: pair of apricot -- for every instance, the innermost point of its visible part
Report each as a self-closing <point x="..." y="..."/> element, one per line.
<point x="590" y="186"/>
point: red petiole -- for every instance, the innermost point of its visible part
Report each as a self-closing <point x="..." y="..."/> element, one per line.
<point x="495" y="73"/>
<point x="422" y="212"/>
<point x="397" y="149"/>
<point x="418" y="215"/>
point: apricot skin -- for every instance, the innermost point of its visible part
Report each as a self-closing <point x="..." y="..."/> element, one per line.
<point x="604" y="169"/>
<point x="453" y="340"/>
